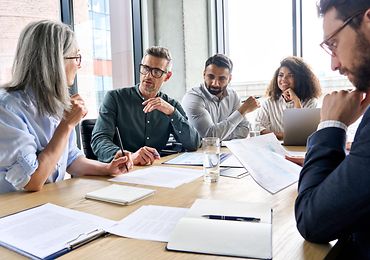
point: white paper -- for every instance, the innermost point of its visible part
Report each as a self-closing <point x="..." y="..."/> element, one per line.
<point x="196" y="159"/>
<point x="44" y="230"/>
<point x="169" y="177"/>
<point x="268" y="142"/>
<point x="263" y="157"/>
<point x="149" y="223"/>
<point x="195" y="233"/>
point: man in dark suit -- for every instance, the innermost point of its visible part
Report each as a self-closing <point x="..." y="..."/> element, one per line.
<point x="334" y="189"/>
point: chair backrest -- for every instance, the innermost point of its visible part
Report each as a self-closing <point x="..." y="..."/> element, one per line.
<point x="87" y="127"/>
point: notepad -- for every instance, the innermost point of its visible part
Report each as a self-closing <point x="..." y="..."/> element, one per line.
<point x="120" y="194"/>
<point x="194" y="233"/>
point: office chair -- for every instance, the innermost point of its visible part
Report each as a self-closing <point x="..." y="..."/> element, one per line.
<point x="87" y="125"/>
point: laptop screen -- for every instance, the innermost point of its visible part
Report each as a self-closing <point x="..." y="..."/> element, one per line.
<point x="299" y="124"/>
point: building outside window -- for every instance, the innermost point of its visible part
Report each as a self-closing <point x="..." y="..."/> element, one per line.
<point x="14" y="16"/>
<point x="103" y="30"/>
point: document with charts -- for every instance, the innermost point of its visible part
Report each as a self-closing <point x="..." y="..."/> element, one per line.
<point x="263" y="157"/>
<point x="196" y="159"/>
<point x="196" y="233"/>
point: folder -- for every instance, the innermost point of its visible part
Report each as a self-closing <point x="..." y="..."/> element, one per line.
<point x="49" y="231"/>
<point x="120" y="194"/>
<point x="199" y="234"/>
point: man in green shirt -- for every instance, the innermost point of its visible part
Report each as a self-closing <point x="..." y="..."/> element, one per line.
<point x="144" y="116"/>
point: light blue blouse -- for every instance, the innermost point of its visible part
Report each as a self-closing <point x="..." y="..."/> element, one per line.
<point x="23" y="135"/>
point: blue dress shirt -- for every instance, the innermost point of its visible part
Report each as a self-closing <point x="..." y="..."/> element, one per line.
<point x="24" y="134"/>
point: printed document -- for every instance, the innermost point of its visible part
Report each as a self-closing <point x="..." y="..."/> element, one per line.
<point x="169" y="177"/>
<point x="47" y="229"/>
<point x="264" y="159"/>
<point x="196" y="159"/>
<point x="149" y="223"/>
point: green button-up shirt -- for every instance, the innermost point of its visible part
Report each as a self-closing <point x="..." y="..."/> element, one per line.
<point x="123" y="108"/>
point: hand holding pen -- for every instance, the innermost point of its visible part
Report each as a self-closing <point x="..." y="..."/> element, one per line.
<point x="249" y="105"/>
<point x="122" y="159"/>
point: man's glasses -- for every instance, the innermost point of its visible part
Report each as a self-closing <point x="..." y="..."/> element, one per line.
<point x="78" y="58"/>
<point x="156" y="73"/>
<point x="331" y="47"/>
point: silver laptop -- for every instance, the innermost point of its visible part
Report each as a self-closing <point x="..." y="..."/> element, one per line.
<point x="299" y="124"/>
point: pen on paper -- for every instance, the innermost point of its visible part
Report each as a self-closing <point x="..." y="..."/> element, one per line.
<point x="121" y="145"/>
<point x="233" y="218"/>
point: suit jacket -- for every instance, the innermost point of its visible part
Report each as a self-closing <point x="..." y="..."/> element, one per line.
<point x="334" y="190"/>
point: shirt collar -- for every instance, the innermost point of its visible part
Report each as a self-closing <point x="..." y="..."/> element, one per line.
<point x="213" y="97"/>
<point x="159" y="94"/>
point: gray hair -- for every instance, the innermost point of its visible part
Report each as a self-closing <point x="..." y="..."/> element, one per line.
<point x="160" y="52"/>
<point x="39" y="65"/>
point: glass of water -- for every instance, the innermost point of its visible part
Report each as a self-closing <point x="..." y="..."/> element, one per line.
<point x="255" y="131"/>
<point x="211" y="161"/>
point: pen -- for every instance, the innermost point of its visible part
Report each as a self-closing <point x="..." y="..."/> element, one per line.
<point x="234" y="218"/>
<point x="256" y="97"/>
<point x="121" y="145"/>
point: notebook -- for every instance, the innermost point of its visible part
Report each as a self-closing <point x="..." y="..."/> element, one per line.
<point x="120" y="194"/>
<point x="199" y="234"/>
<point x="299" y="124"/>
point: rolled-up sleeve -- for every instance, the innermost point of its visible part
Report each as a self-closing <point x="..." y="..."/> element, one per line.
<point x="18" y="157"/>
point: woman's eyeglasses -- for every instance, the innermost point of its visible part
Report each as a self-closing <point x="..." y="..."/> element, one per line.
<point x="78" y="58"/>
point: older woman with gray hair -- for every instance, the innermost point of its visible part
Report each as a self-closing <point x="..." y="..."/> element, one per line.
<point x="38" y="117"/>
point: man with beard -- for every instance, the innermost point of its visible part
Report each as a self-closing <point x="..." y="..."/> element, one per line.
<point x="334" y="189"/>
<point x="144" y="116"/>
<point x="213" y="108"/>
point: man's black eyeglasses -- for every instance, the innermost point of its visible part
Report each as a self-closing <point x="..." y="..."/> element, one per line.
<point x="78" y="59"/>
<point x="331" y="47"/>
<point x="156" y="73"/>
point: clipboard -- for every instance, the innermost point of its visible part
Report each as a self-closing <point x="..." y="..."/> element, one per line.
<point x="38" y="233"/>
<point x="79" y="241"/>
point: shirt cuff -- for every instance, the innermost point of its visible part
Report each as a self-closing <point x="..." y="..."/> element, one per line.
<point x="332" y="123"/>
<point x="19" y="174"/>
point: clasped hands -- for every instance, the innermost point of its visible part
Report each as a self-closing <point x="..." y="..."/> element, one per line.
<point x="159" y="104"/>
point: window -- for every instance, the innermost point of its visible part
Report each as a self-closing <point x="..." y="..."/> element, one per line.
<point x="14" y="16"/>
<point x="103" y="30"/>
<point x="314" y="55"/>
<point x="259" y="37"/>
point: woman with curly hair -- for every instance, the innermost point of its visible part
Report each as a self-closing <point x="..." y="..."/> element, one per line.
<point x="294" y="85"/>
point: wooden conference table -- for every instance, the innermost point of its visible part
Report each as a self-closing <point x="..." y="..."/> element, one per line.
<point x="287" y="242"/>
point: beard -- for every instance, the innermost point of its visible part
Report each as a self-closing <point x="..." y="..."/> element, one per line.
<point x="361" y="71"/>
<point x="215" y="91"/>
